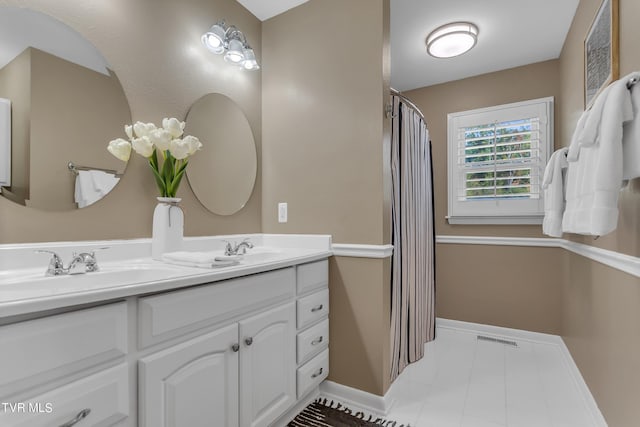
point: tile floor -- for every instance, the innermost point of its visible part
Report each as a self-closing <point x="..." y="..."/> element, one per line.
<point x="466" y="382"/>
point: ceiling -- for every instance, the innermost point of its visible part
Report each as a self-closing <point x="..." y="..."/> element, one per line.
<point x="511" y="33"/>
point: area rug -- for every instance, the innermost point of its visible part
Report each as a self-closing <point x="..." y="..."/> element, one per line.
<point x="323" y="413"/>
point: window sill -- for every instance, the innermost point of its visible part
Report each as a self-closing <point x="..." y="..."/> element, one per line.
<point x="495" y="220"/>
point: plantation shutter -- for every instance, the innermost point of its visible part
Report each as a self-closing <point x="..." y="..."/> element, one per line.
<point x="497" y="158"/>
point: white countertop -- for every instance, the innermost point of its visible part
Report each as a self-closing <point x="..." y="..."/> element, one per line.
<point x="127" y="270"/>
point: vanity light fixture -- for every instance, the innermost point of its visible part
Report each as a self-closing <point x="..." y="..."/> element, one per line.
<point x="228" y="39"/>
<point x="452" y="39"/>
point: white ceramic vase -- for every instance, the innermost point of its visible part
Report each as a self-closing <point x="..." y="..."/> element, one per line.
<point x="168" y="227"/>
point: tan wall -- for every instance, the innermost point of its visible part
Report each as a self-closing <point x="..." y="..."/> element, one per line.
<point x="601" y="312"/>
<point x="323" y="120"/>
<point x="15" y="84"/>
<point x="155" y="50"/>
<point x="75" y="111"/>
<point x="506" y="285"/>
<point x="359" y="326"/>
<point x="601" y="305"/>
<point x="325" y="140"/>
<point x="514" y="287"/>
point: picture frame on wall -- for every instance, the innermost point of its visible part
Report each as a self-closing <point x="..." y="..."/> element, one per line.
<point x="601" y="51"/>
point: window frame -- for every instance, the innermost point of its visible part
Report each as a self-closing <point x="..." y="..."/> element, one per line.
<point x="505" y="211"/>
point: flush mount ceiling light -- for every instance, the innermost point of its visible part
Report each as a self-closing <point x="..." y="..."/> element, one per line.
<point x="228" y="39"/>
<point x="452" y="39"/>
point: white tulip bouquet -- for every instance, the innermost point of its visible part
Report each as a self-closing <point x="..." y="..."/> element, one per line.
<point x="147" y="139"/>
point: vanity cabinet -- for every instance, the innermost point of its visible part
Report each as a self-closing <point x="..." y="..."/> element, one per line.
<point x="239" y="375"/>
<point x="64" y="368"/>
<point x="238" y="352"/>
<point x="243" y="373"/>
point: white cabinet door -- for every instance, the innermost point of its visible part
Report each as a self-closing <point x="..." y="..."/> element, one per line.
<point x="267" y="366"/>
<point x="192" y="384"/>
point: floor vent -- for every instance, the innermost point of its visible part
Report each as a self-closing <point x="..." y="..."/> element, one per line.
<point x="497" y="340"/>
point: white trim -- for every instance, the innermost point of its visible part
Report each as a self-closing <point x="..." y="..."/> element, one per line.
<point x="362" y="251"/>
<point x="498" y="331"/>
<point x="517" y="334"/>
<point x="626" y="263"/>
<point x="496" y="220"/>
<point x="357" y="399"/>
<point x="499" y="241"/>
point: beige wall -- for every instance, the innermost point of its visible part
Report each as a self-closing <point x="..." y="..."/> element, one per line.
<point x="15" y="84"/>
<point x="75" y="111"/>
<point x="496" y="285"/>
<point x="601" y="306"/>
<point x="155" y="50"/>
<point x="325" y="140"/>
<point x="514" y="287"/>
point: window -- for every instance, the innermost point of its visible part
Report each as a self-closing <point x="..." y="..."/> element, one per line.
<point x="497" y="157"/>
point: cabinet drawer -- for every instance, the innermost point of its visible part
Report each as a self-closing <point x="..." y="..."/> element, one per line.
<point x="312" y="373"/>
<point x="38" y="351"/>
<point x="311" y="276"/>
<point x="312" y="308"/>
<point x="168" y="315"/>
<point x="312" y="340"/>
<point x="105" y="395"/>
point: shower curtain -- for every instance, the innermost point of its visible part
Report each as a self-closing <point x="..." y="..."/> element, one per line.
<point x="413" y="238"/>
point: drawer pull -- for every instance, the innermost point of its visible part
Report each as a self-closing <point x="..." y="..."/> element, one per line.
<point x="317" y="308"/>
<point x="317" y="373"/>
<point x="81" y="416"/>
<point x="317" y="340"/>
<point x="235" y="348"/>
<point x="248" y="341"/>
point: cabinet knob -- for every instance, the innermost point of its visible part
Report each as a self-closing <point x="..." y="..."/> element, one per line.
<point x="81" y="416"/>
<point x="235" y="347"/>
<point x="317" y="340"/>
<point x="317" y="373"/>
<point x="248" y="341"/>
<point x="317" y="308"/>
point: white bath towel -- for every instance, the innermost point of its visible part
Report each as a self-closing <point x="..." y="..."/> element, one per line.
<point x="631" y="136"/>
<point x="574" y="147"/>
<point x="594" y="179"/>
<point x="553" y="185"/>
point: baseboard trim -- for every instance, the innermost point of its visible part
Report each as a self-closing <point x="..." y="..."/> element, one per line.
<point x="356" y="399"/>
<point x="626" y="263"/>
<point x="362" y="251"/>
<point x="518" y="334"/>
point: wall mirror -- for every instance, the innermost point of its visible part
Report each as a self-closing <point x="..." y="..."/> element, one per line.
<point x="222" y="175"/>
<point x="66" y="104"/>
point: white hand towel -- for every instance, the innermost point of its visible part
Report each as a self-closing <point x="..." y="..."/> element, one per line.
<point x="631" y="136"/>
<point x="553" y="185"/>
<point x="85" y="193"/>
<point x="201" y="259"/>
<point x="103" y="182"/>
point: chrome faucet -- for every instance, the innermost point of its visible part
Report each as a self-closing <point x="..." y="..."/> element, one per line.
<point x="84" y="262"/>
<point x="237" y="249"/>
<point x="56" y="266"/>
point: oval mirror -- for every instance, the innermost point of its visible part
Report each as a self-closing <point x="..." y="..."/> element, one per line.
<point x="60" y="105"/>
<point x="222" y="175"/>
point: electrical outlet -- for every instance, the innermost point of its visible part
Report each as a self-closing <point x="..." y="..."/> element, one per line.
<point x="282" y="212"/>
